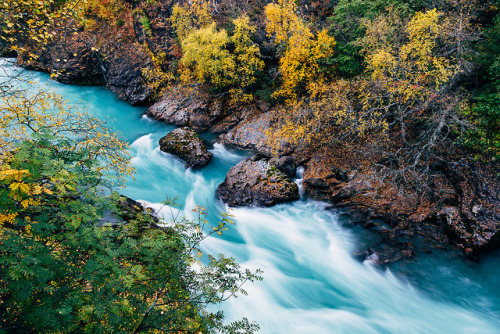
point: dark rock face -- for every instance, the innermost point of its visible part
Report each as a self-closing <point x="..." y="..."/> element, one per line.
<point x="475" y="221"/>
<point x="71" y="61"/>
<point x="461" y="207"/>
<point x="123" y="75"/>
<point x="185" y="144"/>
<point x="76" y="63"/>
<point x="256" y="182"/>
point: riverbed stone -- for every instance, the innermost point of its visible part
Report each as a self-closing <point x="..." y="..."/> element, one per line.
<point x="188" y="146"/>
<point x="187" y="107"/>
<point x="252" y="134"/>
<point x="256" y="182"/>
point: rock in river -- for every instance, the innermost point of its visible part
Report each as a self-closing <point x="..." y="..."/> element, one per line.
<point x="188" y="146"/>
<point x="256" y="181"/>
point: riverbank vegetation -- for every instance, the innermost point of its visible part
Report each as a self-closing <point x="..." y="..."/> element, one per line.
<point x="422" y="73"/>
<point x="74" y="255"/>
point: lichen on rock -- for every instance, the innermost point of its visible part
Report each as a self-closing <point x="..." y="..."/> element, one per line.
<point x="256" y="182"/>
<point x="188" y="146"/>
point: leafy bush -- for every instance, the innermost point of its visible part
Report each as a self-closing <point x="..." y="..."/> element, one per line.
<point x="74" y="260"/>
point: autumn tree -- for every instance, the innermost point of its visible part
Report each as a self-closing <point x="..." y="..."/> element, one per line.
<point x="186" y="19"/>
<point x="29" y="24"/>
<point x="247" y="58"/>
<point x="206" y="58"/>
<point x="211" y="56"/>
<point x="300" y="63"/>
<point x="408" y="95"/>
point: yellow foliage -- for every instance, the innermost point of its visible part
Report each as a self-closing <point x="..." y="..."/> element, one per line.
<point x="414" y="70"/>
<point x="327" y="116"/>
<point x="282" y="20"/>
<point x="157" y="78"/>
<point x="22" y="114"/>
<point x="404" y="79"/>
<point x="384" y="32"/>
<point x="103" y="10"/>
<point x="7" y="217"/>
<point x="246" y="52"/>
<point x="300" y="63"/>
<point x="186" y="19"/>
<point x="247" y="58"/>
<point x="19" y="190"/>
<point x="28" y="24"/>
<point x="205" y="58"/>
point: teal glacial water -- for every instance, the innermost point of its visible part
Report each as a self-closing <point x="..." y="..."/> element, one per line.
<point x="312" y="284"/>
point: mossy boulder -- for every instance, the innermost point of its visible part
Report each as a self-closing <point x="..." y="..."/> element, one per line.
<point x="186" y="145"/>
<point x="256" y="182"/>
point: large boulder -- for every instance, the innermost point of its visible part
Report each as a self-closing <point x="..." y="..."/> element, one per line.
<point x="252" y="135"/>
<point x="188" y="146"/>
<point x="187" y="107"/>
<point x="256" y="181"/>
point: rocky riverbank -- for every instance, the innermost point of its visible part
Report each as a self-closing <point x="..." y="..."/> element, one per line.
<point x="461" y="206"/>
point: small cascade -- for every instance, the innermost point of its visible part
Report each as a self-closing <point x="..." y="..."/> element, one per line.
<point x="299" y="179"/>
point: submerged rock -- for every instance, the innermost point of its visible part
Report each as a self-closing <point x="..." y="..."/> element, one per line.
<point x="257" y="182"/>
<point x="188" y="146"/>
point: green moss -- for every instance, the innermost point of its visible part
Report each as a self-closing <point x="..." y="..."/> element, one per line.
<point x="146" y="25"/>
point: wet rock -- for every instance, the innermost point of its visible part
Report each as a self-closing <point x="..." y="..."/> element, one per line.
<point x="323" y="182"/>
<point x="256" y="182"/>
<point x="474" y="222"/>
<point x="188" y="146"/>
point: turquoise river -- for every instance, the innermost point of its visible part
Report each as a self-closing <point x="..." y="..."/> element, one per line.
<point x="312" y="283"/>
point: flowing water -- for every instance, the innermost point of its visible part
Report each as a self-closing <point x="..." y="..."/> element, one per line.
<point x="312" y="284"/>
